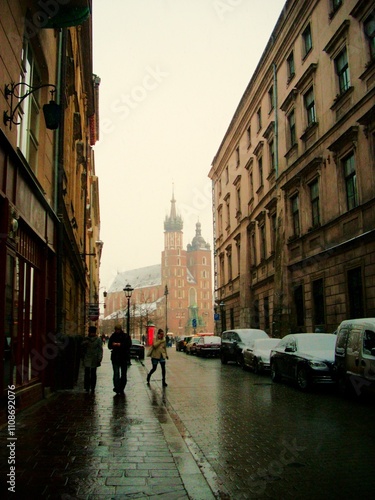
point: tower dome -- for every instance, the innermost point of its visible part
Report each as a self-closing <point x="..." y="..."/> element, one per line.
<point x="198" y="242"/>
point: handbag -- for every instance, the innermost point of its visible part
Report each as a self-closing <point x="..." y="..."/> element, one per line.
<point x="149" y="352"/>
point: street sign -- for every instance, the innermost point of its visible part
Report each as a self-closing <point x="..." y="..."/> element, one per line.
<point x="93" y="311"/>
<point x="216" y="316"/>
<point x="194" y="323"/>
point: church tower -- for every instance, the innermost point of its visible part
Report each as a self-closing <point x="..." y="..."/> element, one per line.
<point x="200" y="266"/>
<point x="174" y="273"/>
<point x="187" y="275"/>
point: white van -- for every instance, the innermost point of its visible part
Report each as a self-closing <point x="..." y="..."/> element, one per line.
<point x="355" y="356"/>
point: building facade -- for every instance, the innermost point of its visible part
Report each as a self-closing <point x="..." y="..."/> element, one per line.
<point x="49" y="204"/>
<point x="175" y="295"/>
<point x="293" y="179"/>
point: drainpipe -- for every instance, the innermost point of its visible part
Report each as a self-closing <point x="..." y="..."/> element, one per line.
<point x="276" y="121"/>
<point x="277" y="327"/>
<point x="59" y="187"/>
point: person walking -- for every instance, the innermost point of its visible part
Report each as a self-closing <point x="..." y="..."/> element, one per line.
<point x="158" y="355"/>
<point x="119" y="343"/>
<point x="92" y="357"/>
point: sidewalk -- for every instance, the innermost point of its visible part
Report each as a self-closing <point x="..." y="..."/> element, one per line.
<point x="76" y="445"/>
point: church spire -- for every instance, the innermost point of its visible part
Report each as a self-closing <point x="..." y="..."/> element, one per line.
<point x="173" y="222"/>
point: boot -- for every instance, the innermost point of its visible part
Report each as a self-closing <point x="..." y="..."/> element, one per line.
<point x="148" y="379"/>
<point x="165" y="383"/>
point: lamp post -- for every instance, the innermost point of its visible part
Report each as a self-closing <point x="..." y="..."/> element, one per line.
<point x="128" y="293"/>
<point x="166" y="292"/>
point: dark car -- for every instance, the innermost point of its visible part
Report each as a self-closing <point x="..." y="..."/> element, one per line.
<point x="208" y="346"/>
<point x="181" y="343"/>
<point x="233" y="342"/>
<point x="304" y="358"/>
<point x="137" y="350"/>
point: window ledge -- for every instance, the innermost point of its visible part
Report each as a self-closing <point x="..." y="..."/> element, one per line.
<point x="340" y="98"/>
<point x="309" y="129"/>
<point x="369" y="68"/>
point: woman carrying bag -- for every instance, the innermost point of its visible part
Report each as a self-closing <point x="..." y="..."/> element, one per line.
<point x="158" y="353"/>
<point x="92" y="358"/>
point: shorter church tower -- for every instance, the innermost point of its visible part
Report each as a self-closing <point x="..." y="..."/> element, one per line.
<point x="200" y="296"/>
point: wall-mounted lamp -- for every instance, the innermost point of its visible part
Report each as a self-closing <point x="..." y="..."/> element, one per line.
<point x="51" y="111"/>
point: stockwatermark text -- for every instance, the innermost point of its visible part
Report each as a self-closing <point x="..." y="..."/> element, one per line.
<point x="224" y="7"/>
<point x="288" y="456"/>
<point x="126" y="103"/>
<point x="12" y="439"/>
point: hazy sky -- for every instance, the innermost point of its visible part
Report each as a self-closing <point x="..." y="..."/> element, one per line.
<point x="172" y="74"/>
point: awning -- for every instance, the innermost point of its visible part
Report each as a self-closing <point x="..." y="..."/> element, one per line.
<point x="67" y="16"/>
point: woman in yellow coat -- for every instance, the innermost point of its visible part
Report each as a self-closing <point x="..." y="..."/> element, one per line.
<point x="158" y="355"/>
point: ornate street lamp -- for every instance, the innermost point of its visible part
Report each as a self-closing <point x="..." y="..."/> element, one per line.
<point x="128" y="293"/>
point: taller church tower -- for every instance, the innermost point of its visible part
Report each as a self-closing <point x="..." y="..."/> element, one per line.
<point x="174" y="272"/>
<point x="186" y="275"/>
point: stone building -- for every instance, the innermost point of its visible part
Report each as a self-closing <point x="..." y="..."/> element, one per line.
<point x="294" y="183"/>
<point x="175" y="294"/>
<point x="49" y="200"/>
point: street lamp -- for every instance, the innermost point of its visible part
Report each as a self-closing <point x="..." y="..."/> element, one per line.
<point x="128" y="293"/>
<point x="166" y="308"/>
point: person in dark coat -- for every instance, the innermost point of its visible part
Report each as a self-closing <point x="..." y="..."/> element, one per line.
<point x="92" y="358"/>
<point x="119" y="343"/>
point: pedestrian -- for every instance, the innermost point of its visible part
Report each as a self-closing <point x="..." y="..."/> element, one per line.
<point x="119" y="343"/>
<point x="92" y="357"/>
<point x="158" y="355"/>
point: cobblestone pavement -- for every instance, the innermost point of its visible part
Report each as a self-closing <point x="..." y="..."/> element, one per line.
<point x="76" y="445"/>
<point x="264" y="440"/>
<point x="214" y="432"/>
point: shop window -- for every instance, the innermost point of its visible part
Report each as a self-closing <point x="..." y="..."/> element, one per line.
<point x="266" y="313"/>
<point x="355" y="293"/>
<point x="299" y="305"/>
<point x="318" y="302"/>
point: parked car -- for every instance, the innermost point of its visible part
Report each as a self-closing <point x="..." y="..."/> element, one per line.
<point x="208" y="346"/>
<point x="190" y="345"/>
<point x="305" y="358"/>
<point x="233" y="342"/>
<point x="355" y="356"/>
<point x="137" y="350"/>
<point x="181" y="343"/>
<point x="256" y="355"/>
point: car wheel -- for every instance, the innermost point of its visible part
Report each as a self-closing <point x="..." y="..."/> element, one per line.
<point x="275" y="374"/>
<point x="303" y="381"/>
<point x="223" y="358"/>
<point x="240" y="360"/>
<point x="256" y="366"/>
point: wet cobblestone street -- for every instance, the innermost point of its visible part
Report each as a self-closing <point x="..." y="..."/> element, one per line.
<point x="214" y="432"/>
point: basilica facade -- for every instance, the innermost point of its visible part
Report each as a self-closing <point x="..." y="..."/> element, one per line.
<point x="175" y="294"/>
